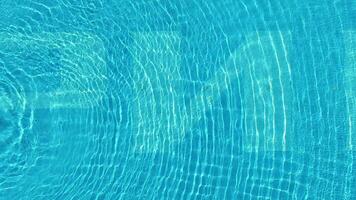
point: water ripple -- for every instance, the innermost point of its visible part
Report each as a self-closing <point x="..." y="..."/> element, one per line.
<point x="177" y="99"/>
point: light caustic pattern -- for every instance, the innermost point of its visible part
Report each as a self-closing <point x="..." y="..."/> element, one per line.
<point x="177" y="100"/>
<point x="156" y="58"/>
<point x="350" y="85"/>
<point x="264" y="71"/>
<point x="268" y="104"/>
<point x="41" y="75"/>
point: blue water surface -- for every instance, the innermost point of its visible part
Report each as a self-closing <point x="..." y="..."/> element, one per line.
<point x="177" y="99"/>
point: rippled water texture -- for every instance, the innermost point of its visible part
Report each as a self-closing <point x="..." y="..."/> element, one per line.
<point x="177" y="99"/>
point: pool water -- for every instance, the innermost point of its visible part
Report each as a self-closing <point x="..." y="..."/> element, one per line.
<point x="188" y="99"/>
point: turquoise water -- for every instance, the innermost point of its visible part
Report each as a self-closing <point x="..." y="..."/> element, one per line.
<point x="189" y="99"/>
